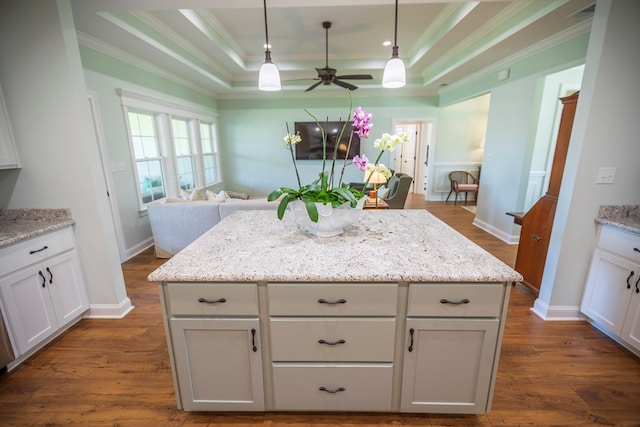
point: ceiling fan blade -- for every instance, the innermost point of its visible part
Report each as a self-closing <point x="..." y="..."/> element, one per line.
<point x="344" y="84"/>
<point x="356" y="77"/>
<point x="313" y="86"/>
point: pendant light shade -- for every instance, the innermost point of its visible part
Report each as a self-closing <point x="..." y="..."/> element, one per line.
<point x="394" y="75"/>
<point x="268" y="76"/>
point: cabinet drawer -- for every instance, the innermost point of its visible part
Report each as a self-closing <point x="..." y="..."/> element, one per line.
<point x="213" y="299"/>
<point x="350" y="387"/>
<point x="455" y="300"/>
<point x="620" y="242"/>
<point x="332" y="300"/>
<point x="332" y="340"/>
<point x="35" y="250"/>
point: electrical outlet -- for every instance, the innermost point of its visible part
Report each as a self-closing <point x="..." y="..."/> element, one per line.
<point x="606" y="175"/>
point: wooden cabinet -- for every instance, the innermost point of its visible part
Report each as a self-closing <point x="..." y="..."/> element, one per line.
<point x="612" y="294"/>
<point x="8" y="152"/>
<point x="41" y="288"/>
<point x="451" y="339"/>
<point x="216" y="346"/>
<point x="537" y="223"/>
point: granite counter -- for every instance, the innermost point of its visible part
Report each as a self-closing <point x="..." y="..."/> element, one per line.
<point x="21" y="224"/>
<point x="626" y="217"/>
<point x="386" y="246"/>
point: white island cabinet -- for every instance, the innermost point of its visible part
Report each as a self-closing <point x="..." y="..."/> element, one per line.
<point x="384" y="318"/>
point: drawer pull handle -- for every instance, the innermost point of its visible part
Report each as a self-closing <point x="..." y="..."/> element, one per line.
<point x="214" y="301"/>
<point x="331" y="342"/>
<point x="411" y="343"/>
<point x="636" y="250"/>
<point x="50" y="275"/>
<point x="44" y="281"/>
<point x="38" y="250"/>
<point x="332" y="390"/>
<point x="637" y="288"/>
<point x="629" y="278"/>
<point x="253" y="340"/>
<point x="332" y="302"/>
<point x="462" y="301"/>
<point x="536" y="238"/>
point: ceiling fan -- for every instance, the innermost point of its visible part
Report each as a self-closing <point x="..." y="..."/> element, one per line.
<point x="327" y="75"/>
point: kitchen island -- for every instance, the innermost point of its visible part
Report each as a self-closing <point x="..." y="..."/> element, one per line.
<point x="400" y="313"/>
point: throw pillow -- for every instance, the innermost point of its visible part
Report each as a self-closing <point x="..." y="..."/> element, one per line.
<point x="236" y="195"/>
<point x="382" y="192"/>
<point x="220" y="197"/>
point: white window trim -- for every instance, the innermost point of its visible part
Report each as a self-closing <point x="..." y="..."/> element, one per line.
<point x="164" y="110"/>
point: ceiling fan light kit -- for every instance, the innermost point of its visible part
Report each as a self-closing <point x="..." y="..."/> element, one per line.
<point x="268" y="76"/>
<point x="395" y="75"/>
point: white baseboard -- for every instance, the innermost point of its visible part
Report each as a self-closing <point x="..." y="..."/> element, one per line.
<point x="507" y="238"/>
<point x="546" y="312"/>
<point x="109" y="311"/>
<point x="139" y="248"/>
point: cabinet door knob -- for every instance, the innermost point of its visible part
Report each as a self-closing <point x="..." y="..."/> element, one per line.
<point x="637" y="288"/>
<point x="50" y="275"/>
<point x="536" y="238"/>
<point x="411" y="343"/>
<point x="629" y="278"/>
<point x="332" y="390"/>
<point x="212" y="301"/>
<point x="44" y="281"/>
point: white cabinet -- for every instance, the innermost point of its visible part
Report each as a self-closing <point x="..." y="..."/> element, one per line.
<point x="450" y="349"/>
<point x="216" y="346"/>
<point x="8" y="152"/>
<point x="332" y="345"/>
<point x="612" y="294"/>
<point x="41" y="288"/>
<point x="374" y="347"/>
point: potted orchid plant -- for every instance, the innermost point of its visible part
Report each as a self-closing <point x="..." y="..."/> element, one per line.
<point x="324" y="190"/>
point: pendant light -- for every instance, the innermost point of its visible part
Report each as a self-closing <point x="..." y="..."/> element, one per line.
<point x="394" y="75"/>
<point x="268" y="76"/>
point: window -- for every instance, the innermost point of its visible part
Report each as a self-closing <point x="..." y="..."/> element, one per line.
<point x="146" y="151"/>
<point x="209" y="153"/>
<point x="174" y="146"/>
<point x="184" y="155"/>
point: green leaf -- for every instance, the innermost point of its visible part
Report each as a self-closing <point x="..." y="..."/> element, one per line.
<point x="282" y="207"/>
<point x="274" y="195"/>
<point x="312" y="209"/>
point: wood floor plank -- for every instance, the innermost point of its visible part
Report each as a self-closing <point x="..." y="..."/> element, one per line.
<point x="117" y="372"/>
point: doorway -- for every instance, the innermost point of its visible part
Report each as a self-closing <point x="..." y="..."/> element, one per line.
<point x="412" y="157"/>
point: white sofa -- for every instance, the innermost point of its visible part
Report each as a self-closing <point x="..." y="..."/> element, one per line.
<point x="176" y="223"/>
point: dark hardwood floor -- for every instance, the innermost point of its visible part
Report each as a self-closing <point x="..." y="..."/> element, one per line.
<point x="117" y="372"/>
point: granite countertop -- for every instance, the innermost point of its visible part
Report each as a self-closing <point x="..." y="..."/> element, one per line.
<point x="21" y="224"/>
<point x="626" y="217"/>
<point x="386" y="246"/>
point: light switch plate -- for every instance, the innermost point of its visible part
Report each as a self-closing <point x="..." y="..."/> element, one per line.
<point x="606" y="175"/>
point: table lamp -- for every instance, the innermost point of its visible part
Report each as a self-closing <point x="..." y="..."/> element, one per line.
<point x="375" y="179"/>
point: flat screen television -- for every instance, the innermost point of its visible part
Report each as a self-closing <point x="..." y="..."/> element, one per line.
<point x="310" y="148"/>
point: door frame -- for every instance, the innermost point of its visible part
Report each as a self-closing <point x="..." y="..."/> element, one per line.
<point x="106" y="173"/>
<point x="425" y="149"/>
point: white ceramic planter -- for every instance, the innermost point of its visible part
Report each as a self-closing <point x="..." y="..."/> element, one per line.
<point x="331" y="222"/>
